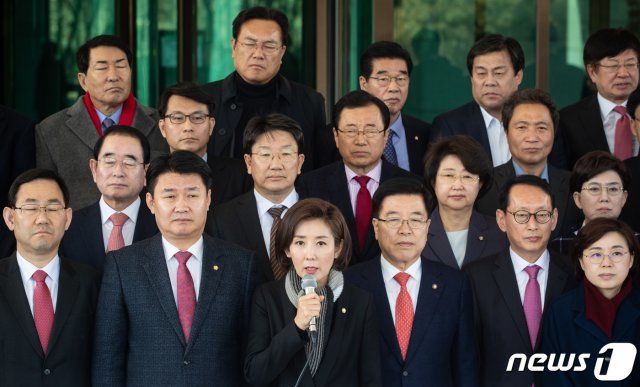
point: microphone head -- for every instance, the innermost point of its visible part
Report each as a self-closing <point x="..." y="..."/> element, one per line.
<point x="309" y="281"/>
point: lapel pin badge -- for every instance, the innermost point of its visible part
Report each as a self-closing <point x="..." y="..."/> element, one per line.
<point x="481" y="237"/>
<point x="434" y="286"/>
<point x="344" y="310"/>
<point x="215" y="267"/>
<point x="416" y="138"/>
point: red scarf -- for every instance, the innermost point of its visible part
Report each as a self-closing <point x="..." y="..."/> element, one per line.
<point x="600" y="309"/>
<point x="126" y="118"/>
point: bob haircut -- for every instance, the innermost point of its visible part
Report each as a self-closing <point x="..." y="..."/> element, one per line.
<point x="594" y="231"/>
<point x="311" y="209"/>
<point x="594" y="163"/>
<point x="472" y="155"/>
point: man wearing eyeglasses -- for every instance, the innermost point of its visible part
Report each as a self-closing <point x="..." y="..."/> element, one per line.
<point x="256" y="88"/>
<point x="119" y="218"/>
<point x="512" y="288"/>
<point x="424" y="308"/>
<point x="47" y="302"/>
<point x="186" y="124"/>
<point x="601" y="121"/>
<point x="272" y="146"/>
<point x="360" y="131"/>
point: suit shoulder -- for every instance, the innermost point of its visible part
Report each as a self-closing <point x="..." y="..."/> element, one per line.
<point x="482" y="265"/>
<point x="445" y="271"/>
<point x="227" y="209"/>
<point x="228" y="247"/>
<point x="415" y="122"/>
<point x="456" y="114"/>
<point x="84" y="271"/>
<point x="578" y="106"/>
<point x="357" y="294"/>
<point x="53" y="121"/>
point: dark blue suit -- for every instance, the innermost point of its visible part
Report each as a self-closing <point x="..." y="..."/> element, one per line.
<point x="566" y="330"/>
<point x="442" y="350"/>
<point x="139" y="339"/>
<point x="484" y="238"/>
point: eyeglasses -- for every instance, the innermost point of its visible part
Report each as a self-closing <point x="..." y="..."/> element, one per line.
<point x="33" y="209"/>
<point x="266" y="157"/>
<point x="450" y="178"/>
<point x="614" y="68"/>
<point x="522" y="216"/>
<point x="111" y="162"/>
<point x="596" y="189"/>
<point x="415" y="224"/>
<point x="401" y="80"/>
<point x="353" y="133"/>
<point x="614" y="256"/>
<point x="195" y="118"/>
<point x="267" y="47"/>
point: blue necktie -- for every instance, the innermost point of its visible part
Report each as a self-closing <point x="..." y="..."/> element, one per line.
<point x="389" y="151"/>
<point x="107" y="123"/>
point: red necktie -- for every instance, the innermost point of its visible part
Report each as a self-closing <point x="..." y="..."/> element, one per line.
<point x="186" y="294"/>
<point x="42" y="309"/>
<point x="532" y="303"/>
<point x="404" y="313"/>
<point x="116" y="240"/>
<point x="278" y="271"/>
<point x="363" y="210"/>
<point x="623" y="145"/>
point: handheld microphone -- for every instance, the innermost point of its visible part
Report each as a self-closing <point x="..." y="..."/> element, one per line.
<point x="309" y="285"/>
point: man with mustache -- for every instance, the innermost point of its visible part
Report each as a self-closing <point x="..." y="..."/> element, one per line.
<point x="512" y="288"/>
<point x="65" y="140"/>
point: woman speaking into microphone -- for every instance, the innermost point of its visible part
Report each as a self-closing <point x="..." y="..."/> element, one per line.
<point x="303" y="336"/>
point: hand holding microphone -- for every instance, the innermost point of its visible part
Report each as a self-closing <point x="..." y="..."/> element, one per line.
<point x="308" y="305"/>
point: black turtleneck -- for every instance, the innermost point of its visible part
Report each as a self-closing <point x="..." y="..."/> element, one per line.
<point x="253" y="100"/>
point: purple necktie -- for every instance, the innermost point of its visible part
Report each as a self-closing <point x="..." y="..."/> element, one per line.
<point x="186" y="294"/>
<point x="532" y="303"/>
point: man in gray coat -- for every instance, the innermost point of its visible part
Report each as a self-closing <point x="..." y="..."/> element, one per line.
<point x="64" y="140"/>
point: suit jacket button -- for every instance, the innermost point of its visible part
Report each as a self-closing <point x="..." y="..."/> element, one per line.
<point x="47" y="371"/>
<point x="234" y="106"/>
<point x="186" y="362"/>
<point x="222" y="131"/>
<point x="405" y="373"/>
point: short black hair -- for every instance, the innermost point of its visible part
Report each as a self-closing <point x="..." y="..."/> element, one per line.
<point x="530" y="96"/>
<point x="180" y="162"/>
<point x="359" y="99"/>
<point x="259" y="125"/>
<point x="530" y="180"/>
<point x="36" y="174"/>
<point x="496" y="43"/>
<point x="398" y="186"/>
<point x="608" y="42"/>
<point x="633" y="102"/>
<point x="262" y="13"/>
<point x="127" y="131"/>
<point x="471" y="153"/>
<point x="594" y="163"/>
<point x="187" y="90"/>
<point x="82" y="55"/>
<point x="383" y="49"/>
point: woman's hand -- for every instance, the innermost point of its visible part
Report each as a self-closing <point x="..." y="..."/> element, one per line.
<point x="308" y="307"/>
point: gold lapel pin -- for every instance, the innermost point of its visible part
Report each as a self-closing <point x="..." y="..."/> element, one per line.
<point x="416" y="138"/>
<point x="344" y="310"/>
<point x="215" y="267"/>
<point x="481" y="237"/>
<point x="434" y="286"/>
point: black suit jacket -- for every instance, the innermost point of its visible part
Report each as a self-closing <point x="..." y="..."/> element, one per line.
<point x="501" y="327"/>
<point x="276" y="354"/>
<point x="295" y="100"/>
<point x="442" y="350"/>
<point x="568" y="214"/>
<point x="84" y="242"/>
<point x="330" y="183"/>
<point x="631" y="210"/>
<point x="17" y="154"/>
<point x="230" y="179"/>
<point x="68" y="361"/>
<point x="582" y="129"/>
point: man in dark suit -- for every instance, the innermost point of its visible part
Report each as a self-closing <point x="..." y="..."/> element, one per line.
<point x="424" y="309"/>
<point x="530" y="120"/>
<point x="65" y="140"/>
<point x="512" y="288"/>
<point x="360" y="130"/>
<point x="272" y="146"/>
<point x="47" y="303"/>
<point x="256" y="88"/>
<point x="119" y="218"/>
<point x="601" y="121"/>
<point x="173" y="309"/>
<point x="496" y="65"/>
<point x="17" y="154"/>
<point x="186" y="124"/>
<point x="631" y="211"/>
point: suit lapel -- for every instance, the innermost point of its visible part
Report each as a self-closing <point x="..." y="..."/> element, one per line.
<point x="506" y="282"/>
<point x="79" y="122"/>
<point x="438" y="241"/>
<point x="11" y="285"/>
<point x="476" y="239"/>
<point x="413" y="138"/>
<point x="93" y="233"/>
<point x="67" y="293"/>
<point x="247" y="214"/>
<point x="481" y="128"/>
<point x="338" y="187"/>
<point x="142" y="121"/>
<point x="581" y="321"/>
<point x="593" y="129"/>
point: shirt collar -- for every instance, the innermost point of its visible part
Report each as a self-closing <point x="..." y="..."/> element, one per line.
<point x="519" y="263"/>
<point x="398" y="127"/>
<point x="265" y="204"/>
<point x="607" y="106"/>
<point x="196" y="250"/>
<point x="131" y="211"/>
<point x="115" y="116"/>
<point x="389" y="271"/>
<point x="519" y="172"/>
<point x="374" y="174"/>
<point x="27" y="268"/>
<point x="487" y="117"/>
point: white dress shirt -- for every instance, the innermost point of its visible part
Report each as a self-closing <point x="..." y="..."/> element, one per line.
<point x="500" y="153"/>
<point x="519" y="264"/>
<point x="266" y="220"/>
<point x="393" y="287"/>
<point x="53" y="275"/>
<point x="128" y="228"/>
<point x="609" y="120"/>
<point x="194" y="264"/>
<point x="354" y="186"/>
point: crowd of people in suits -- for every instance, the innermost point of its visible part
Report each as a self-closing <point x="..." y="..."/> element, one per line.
<point x="233" y="237"/>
